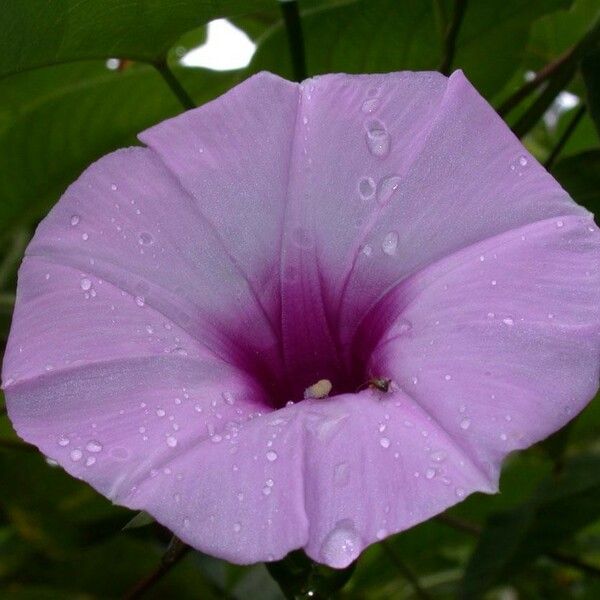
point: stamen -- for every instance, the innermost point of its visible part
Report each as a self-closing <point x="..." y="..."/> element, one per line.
<point x="320" y="389"/>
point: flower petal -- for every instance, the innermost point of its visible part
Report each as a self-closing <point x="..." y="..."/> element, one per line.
<point x="394" y="172"/>
<point x="499" y="342"/>
<point x="376" y="464"/>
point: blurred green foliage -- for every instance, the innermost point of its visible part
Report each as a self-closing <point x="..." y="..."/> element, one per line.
<point x="61" y="108"/>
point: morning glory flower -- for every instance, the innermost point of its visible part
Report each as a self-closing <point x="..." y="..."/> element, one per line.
<point x="306" y="315"/>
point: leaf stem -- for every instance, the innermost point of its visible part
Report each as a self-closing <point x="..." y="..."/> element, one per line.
<point x="173" y="83"/>
<point x="293" y="26"/>
<point x="562" y="69"/>
<point x="451" y="36"/>
<point x="564" y="138"/>
<point x="405" y="571"/>
<point x="175" y="551"/>
<point x="533" y="84"/>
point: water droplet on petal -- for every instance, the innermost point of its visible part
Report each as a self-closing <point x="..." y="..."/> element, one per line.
<point x="465" y="424"/>
<point x="145" y="239"/>
<point x="368" y="106"/>
<point x="341" y="474"/>
<point x="366" y="188"/>
<point x="76" y="455"/>
<point x="390" y="243"/>
<point x="228" y="398"/>
<point x="381" y="533"/>
<point x="140" y="301"/>
<point x="90" y="460"/>
<point x="378" y="138"/>
<point x="86" y="284"/>
<point x="342" y="545"/>
<point x="387" y="187"/>
<point x="171" y="441"/>
<point x="271" y="455"/>
<point x="237" y="527"/>
<point x="438" y="456"/>
<point x="75" y="220"/>
<point x="94" y="446"/>
<point x="384" y="442"/>
<point x="508" y="321"/>
<point x="63" y="441"/>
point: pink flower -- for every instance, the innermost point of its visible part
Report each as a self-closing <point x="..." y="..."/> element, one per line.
<point x="178" y="301"/>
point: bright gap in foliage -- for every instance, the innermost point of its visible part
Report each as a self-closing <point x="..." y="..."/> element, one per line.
<point x="226" y="48"/>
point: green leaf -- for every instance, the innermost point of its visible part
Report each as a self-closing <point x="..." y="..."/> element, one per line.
<point x="493" y="38"/>
<point x="44" y="32"/>
<point x="555" y="33"/>
<point x="358" y="37"/>
<point x="386" y="35"/>
<point x="55" y="121"/>
<point x="512" y="539"/>
<point x="590" y="68"/>
<point x="580" y="176"/>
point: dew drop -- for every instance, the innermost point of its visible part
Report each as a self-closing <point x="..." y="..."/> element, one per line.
<point x="381" y="533"/>
<point x="84" y="237"/>
<point x="438" y="456"/>
<point x="387" y="187"/>
<point x="368" y="106"/>
<point x="459" y="492"/>
<point x="508" y="321"/>
<point x="76" y="455"/>
<point x="523" y="161"/>
<point x="237" y="527"/>
<point x="90" y="461"/>
<point x="390" y="243"/>
<point x="75" y="220"/>
<point x="378" y="138"/>
<point x="367" y="250"/>
<point x="140" y="301"/>
<point x="93" y="446"/>
<point x="228" y="398"/>
<point x="430" y="473"/>
<point x="465" y="424"/>
<point x="113" y="187"/>
<point x="145" y="239"/>
<point x="86" y="284"/>
<point x="160" y="412"/>
<point x="559" y="223"/>
<point x="341" y="474"/>
<point x="342" y="545"/>
<point x="366" y="188"/>
<point x="171" y="441"/>
<point x="384" y="442"/>
<point x="271" y="455"/>
<point x="266" y="490"/>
